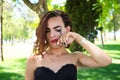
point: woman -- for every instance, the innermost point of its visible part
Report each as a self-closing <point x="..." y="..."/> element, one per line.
<point x="51" y="60"/>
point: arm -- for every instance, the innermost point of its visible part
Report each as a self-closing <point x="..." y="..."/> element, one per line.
<point x="29" y="69"/>
<point x="97" y="58"/>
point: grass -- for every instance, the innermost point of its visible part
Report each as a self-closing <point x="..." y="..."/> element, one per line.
<point x="13" y="67"/>
<point x="111" y="72"/>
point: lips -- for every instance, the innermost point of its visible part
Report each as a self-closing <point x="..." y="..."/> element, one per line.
<point x="54" y="41"/>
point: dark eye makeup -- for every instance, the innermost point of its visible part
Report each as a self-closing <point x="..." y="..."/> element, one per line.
<point x="58" y="30"/>
<point x="47" y="30"/>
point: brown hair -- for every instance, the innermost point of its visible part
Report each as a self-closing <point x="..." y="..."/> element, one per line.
<point x="41" y="43"/>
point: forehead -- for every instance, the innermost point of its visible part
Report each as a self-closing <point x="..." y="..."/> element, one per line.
<point x="55" y="21"/>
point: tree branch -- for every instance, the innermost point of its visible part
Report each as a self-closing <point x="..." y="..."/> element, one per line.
<point x="30" y="5"/>
<point x="40" y="8"/>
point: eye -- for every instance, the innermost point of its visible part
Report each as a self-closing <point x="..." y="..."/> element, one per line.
<point x="47" y="30"/>
<point x="58" y="30"/>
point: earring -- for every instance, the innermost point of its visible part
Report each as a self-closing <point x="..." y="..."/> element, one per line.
<point x="45" y="41"/>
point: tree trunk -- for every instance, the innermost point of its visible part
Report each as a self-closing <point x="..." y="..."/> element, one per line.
<point x="114" y="26"/>
<point x="114" y="33"/>
<point x="114" y="30"/>
<point x="1" y="21"/>
<point x="40" y="8"/>
<point x="102" y="39"/>
<point x="83" y="18"/>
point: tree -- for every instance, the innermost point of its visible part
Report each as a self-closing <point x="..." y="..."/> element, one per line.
<point x="83" y="14"/>
<point x="116" y="18"/>
<point x="115" y="22"/>
<point x="21" y="22"/>
<point x="109" y="18"/>
<point x="1" y="24"/>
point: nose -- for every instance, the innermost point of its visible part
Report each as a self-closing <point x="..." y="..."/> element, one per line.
<point x="52" y="34"/>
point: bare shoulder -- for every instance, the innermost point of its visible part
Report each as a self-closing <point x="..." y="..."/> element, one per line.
<point x="31" y="63"/>
<point x="78" y="53"/>
<point x="29" y="68"/>
<point x="32" y="59"/>
<point x="80" y="57"/>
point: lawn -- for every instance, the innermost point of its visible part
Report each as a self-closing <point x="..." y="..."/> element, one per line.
<point x="13" y="67"/>
<point x="111" y="72"/>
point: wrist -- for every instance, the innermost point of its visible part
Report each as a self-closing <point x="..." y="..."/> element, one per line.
<point x="82" y="41"/>
<point x="79" y="39"/>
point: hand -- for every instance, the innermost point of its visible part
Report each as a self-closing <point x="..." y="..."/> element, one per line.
<point x="67" y="38"/>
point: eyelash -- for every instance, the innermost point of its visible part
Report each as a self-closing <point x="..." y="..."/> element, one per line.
<point x="47" y="31"/>
<point x="58" y="30"/>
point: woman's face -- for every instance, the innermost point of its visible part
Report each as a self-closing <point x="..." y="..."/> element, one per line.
<point x="54" y="30"/>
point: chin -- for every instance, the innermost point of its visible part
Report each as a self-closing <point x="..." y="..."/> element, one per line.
<point x="54" y="46"/>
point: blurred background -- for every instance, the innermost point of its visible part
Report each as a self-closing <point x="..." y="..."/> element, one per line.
<point x="96" y="20"/>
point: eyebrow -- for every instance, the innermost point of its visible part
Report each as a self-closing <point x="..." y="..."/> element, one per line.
<point x="55" y="27"/>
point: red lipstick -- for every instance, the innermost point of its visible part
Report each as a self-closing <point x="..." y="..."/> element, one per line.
<point x="54" y="41"/>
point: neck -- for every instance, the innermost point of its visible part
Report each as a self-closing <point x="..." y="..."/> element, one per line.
<point x="57" y="51"/>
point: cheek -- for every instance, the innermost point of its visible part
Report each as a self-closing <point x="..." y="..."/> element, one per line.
<point x="58" y="34"/>
<point x="54" y="34"/>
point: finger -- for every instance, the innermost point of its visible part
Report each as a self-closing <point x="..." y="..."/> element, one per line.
<point x="64" y="44"/>
<point x="64" y="38"/>
<point x="60" y="41"/>
<point x="70" y="40"/>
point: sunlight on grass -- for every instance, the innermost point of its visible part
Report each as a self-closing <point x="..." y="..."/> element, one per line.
<point x="112" y="48"/>
<point x="17" y="50"/>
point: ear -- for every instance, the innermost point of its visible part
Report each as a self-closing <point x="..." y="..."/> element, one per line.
<point x="68" y="28"/>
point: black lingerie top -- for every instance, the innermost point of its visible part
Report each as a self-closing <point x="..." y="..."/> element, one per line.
<point x="66" y="72"/>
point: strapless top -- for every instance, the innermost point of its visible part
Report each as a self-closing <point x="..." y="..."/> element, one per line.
<point x="66" y="72"/>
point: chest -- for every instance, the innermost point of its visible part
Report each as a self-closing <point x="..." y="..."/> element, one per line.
<point x="55" y="63"/>
<point x="66" y="72"/>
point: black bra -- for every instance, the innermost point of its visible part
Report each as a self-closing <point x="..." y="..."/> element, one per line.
<point x="66" y="72"/>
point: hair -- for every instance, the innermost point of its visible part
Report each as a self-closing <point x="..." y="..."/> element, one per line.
<point x="41" y="43"/>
